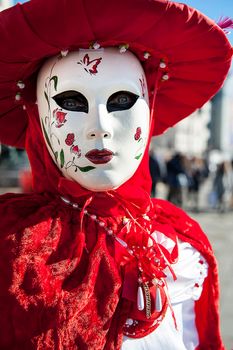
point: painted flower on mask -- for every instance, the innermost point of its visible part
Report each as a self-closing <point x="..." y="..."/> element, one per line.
<point x="138" y="134"/>
<point x="76" y="151"/>
<point x="69" y="139"/>
<point x="60" y="118"/>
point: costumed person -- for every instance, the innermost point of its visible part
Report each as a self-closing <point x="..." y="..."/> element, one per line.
<point x="88" y="260"/>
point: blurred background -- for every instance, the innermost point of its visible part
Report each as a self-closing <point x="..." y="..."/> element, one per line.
<point x="191" y="165"/>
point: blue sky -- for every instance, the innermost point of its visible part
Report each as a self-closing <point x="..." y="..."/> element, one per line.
<point x="214" y="9"/>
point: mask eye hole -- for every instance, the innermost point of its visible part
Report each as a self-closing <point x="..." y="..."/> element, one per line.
<point x="121" y="100"/>
<point x="72" y="101"/>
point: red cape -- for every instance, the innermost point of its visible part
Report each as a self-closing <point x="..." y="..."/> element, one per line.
<point x="60" y="283"/>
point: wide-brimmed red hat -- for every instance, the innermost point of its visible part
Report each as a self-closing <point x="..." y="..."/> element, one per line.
<point x="185" y="55"/>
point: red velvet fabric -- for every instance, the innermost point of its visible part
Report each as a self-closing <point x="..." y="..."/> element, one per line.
<point x="195" y="50"/>
<point x="62" y="278"/>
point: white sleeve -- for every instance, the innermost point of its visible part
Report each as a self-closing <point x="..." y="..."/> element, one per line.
<point x="191" y="270"/>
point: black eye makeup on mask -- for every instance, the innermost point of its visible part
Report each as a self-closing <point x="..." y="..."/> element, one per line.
<point x="121" y="100"/>
<point x="72" y="101"/>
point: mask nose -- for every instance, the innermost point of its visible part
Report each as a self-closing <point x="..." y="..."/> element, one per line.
<point x="100" y="124"/>
<point x="97" y="134"/>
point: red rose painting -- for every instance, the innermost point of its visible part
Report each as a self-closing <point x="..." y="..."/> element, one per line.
<point x="69" y="139"/>
<point x="75" y="149"/>
<point x="60" y="118"/>
<point x="138" y="134"/>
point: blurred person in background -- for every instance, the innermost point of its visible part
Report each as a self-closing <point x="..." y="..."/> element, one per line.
<point x="176" y="179"/>
<point x="231" y="181"/>
<point x="4" y="153"/>
<point x="197" y="172"/>
<point x="223" y="186"/>
<point x="155" y="172"/>
<point x="229" y="184"/>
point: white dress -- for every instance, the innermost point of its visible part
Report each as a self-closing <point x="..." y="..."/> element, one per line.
<point x="191" y="270"/>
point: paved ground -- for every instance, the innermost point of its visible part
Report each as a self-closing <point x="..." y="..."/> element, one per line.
<point x="219" y="228"/>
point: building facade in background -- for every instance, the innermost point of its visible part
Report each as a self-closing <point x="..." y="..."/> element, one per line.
<point x="190" y="136"/>
<point x="221" y="125"/>
<point x="209" y="128"/>
<point x="5" y="3"/>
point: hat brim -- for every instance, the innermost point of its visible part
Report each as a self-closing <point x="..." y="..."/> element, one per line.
<point x="195" y="51"/>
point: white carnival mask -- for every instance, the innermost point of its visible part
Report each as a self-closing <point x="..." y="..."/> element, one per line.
<point x="93" y="107"/>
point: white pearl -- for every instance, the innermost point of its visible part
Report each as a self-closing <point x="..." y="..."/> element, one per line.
<point x="64" y="53"/>
<point x="101" y="223"/>
<point x="146" y="217"/>
<point x="75" y="205"/>
<point x="125" y="220"/>
<point x="21" y="85"/>
<point x="18" y="97"/>
<point x="158" y="301"/>
<point x="140" y="299"/>
<point x="129" y="321"/>
<point x="93" y="217"/>
<point x="123" y="243"/>
<point x="162" y="65"/>
<point x="96" y="46"/>
<point x="110" y="232"/>
<point x="123" y="49"/>
<point x="165" y="77"/>
<point x="146" y="55"/>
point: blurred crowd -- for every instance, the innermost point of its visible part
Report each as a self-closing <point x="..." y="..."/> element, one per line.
<point x="15" y="175"/>
<point x="195" y="183"/>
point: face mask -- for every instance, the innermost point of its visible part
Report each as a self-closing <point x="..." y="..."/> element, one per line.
<point x="94" y="113"/>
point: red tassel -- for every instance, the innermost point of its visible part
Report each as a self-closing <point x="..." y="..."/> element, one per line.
<point x="225" y="23"/>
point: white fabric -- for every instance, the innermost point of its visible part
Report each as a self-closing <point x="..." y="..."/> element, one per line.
<point x="191" y="270"/>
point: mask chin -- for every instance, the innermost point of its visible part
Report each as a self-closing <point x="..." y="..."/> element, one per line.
<point x="95" y="119"/>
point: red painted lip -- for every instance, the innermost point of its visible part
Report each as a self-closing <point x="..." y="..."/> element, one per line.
<point x="97" y="156"/>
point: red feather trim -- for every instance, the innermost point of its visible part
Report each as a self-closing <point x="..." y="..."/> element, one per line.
<point x="225" y="23"/>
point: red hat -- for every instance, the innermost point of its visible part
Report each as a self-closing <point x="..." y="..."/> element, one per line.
<point x="185" y="55"/>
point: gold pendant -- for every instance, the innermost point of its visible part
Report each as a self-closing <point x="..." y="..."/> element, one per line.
<point x="146" y="290"/>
